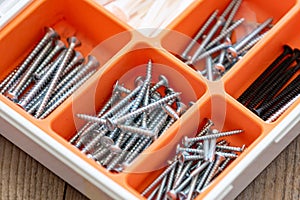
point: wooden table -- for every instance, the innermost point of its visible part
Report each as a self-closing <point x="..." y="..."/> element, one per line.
<point x="22" y="177"/>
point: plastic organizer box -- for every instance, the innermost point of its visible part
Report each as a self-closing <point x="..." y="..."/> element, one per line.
<point x="119" y="49"/>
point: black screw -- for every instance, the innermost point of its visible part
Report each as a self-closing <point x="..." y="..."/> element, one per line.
<point x="287" y="51"/>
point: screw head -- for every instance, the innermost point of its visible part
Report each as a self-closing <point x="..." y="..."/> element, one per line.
<point x="232" y="52"/>
<point x="139" y="81"/>
<point x="185" y="141"/>
<point x="110" y="124"/>
<point x="92" y="62"/>
<point x="73" y="40"/>
<point x="182" y="156"/>
<point x="115" y="149"/>
<point x="164" y="80"/>
<point x="172" y="194"/>
<point x="51" y="32"/>
<point x="106" y="141"/>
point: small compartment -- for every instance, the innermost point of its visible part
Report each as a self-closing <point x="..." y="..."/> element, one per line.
<point x="19" y="38"/>
<point x="268" y="52"/>
<point x="185" y="28"/>
<point x="226" y="116"/>
<point x="125" y="70"/>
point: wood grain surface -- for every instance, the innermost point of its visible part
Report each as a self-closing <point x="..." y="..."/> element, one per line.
<point x="24" y="178"/>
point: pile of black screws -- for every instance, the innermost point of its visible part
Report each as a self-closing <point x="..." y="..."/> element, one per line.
<point x="275" y="90"/>
<point x="125" y="126"/>
<point x="195" y="166"/>
<point x="49" y="75"/>
<point x="215" y="43"/>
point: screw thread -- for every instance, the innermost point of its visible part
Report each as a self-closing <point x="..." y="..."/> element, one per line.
<point x="41" y="83"/>
<point x="63" y="97"/>
<point x="184" y="55"/>
<point x="91" y="144"/>
<point x="207" y="137"/>
<point x="293" y="94"/>
<point x="13" y="94"/>
<point x="212" y="51"/>
<point x="225" y="33"/>
<point x="204" y="176"/>
<point x="232" y="14"/>
<point x="55" y="79"/>
<point x="57" y="48"/>
<point x="160" y="83"/>
<point x="287" y="51"/>
<point x="144" y="143"/>
<point x="160" y="177"/>
<point x="230" y="148"/>
<point x="253" y="33"/>
<point x="151" y="106"/>
<point x="121" y="103"/>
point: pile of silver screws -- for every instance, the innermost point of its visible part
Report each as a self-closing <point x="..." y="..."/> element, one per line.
<point x="196" y="164"/>
<point x="126" y="126"/>
<point x="49" y="75"/>
<point x="215" y="43"/>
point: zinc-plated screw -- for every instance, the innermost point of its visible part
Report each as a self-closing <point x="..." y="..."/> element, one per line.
<point x="213" y="50"/>
<point x="160" y="177"/>
<point x="50" y="34"/>
<point x="185" y="53"/>
<point x="34" y="91"/>
<point x="207" y="137"/>
<point x="76" y="60"/>
<point x="188" y="150"/>
<point x="204" y="176"/>
<point x="216" y="164"/>
<point x="183" y="172"/>
<point x="122" y="103"/>
<point x="120" y="88"/>
<point x="163" y="81"/>
<point x="231" y="148"/>
<point x="225" y="33"/>
<point x="92" y="119"/>
<point x="136" y="130"/>
<point x="232" y="14"/>
<point x="73" y="42"/>
<point x="91" y="65"/>
<point x="161" y="188"/>
<point x="209" y="68"/>
<point x="14" y="94"/>
<point x="203" y="44"/>
<point x="239" y="45"/>
<point x="151" y="106"/>
<point x="63" y="97"/>
<point x="59" y="45"/>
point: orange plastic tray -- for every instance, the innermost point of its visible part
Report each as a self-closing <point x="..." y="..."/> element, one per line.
<point x="123" y="54"/>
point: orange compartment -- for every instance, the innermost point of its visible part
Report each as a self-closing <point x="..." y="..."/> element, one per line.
<point x="125" y="69"/>
<point x="224" y="113"/>
<point x="66" y="17"/>
<point x="20" y="37"/>
<point x="184" y="28"/>
<point x="248" y="70"/>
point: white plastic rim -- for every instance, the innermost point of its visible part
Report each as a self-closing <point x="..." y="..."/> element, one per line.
<point x="10" y="8"/>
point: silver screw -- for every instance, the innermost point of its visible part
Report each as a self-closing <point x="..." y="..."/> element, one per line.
<point x="34" y="91"/>
<point x="231" y="148"/>
<point x="73" y="42"/>
<point x="49" y="34"/>
<point x="207" y="137"/>
<point x="14" y="94"/>
<point x="184" y="55"/>
<point x="160" y="177"/>
<point x="151" y="106"/>
<point x="59" y="99"/>
<point x="236" y="47"/>
<point x="59" y="45"/>
<point x="163" y="81"/>
<point x="203" y="44"/>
